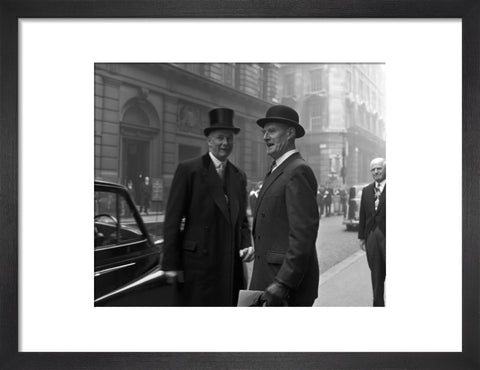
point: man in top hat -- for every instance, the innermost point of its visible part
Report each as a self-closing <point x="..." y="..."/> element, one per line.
<point x="286" y="217"/>
<point x="206" y="230"/>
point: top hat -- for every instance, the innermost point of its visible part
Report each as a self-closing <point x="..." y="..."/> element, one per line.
<point x="282" y="114"/>
<point x="221" y="119"/>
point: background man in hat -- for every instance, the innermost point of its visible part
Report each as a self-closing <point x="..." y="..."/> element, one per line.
<point x="286" y="218"/>
<point x="209" y="197"/>
<point x="372" y="227"/>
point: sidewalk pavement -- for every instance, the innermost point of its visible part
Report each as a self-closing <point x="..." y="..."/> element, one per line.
<point x="347" y="284"/>
<point x="153" y="217"/>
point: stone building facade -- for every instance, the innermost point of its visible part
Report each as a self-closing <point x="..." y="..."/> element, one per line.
<point x="150" y="116"/>
<point x="342" y="107"/>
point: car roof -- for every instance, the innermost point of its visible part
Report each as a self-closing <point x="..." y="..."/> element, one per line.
<point x="109" y="184"/>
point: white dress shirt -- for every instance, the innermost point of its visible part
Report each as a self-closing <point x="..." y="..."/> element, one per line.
<point x="283" y="158"/>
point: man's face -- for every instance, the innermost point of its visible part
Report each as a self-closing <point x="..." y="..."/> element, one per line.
<point x="220" y="143"/>
<point x="378" y="170"/>
<point x="276" y="136"/>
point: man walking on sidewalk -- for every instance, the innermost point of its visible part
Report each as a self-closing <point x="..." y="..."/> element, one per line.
<point x="372" y="228"/>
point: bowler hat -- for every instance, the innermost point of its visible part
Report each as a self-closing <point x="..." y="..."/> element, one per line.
<point x="221" y="119"/>
<point x="282" y="114"/>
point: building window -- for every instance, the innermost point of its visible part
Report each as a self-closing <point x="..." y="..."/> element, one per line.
<point x="229" y="74"/>
<point x="191" y="67"/>
<point x="289" y="85"/>
<point x="318" y="115"/>
<point x="349" y="117"/>
<point x="316" y="80"/>
<point x="360" y="90"/>
<point x="348" y="81"/>
<point x="216" y="72"/>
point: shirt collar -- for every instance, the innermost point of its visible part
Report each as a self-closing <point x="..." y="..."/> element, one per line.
<point x="381" y="184"/>
<point x="216" y="161"/>
<point x="283" y="158"/>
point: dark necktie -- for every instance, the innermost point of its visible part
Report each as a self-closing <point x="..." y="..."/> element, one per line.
<point x="274" y="163"/>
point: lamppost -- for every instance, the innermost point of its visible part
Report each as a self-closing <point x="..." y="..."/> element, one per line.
<point x="323" y="151"/>
<point x="343" y="171"/>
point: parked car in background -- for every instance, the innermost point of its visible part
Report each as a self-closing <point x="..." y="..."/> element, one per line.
<point x="127" y="267"/>
<point x="354" y="197"/>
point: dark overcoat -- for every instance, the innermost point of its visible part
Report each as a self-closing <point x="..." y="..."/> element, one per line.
<point x="368" y="217"/>
<point x="285" y="230"/>
<point x="215" y="227"/>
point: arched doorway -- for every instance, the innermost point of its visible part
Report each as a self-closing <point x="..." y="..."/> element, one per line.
<point x="139" y="128"/>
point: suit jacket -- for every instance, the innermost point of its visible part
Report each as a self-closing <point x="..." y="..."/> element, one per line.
<point x="285" y="230"/>
<point x="205" y="227"/>
<point x="368" y="217"/>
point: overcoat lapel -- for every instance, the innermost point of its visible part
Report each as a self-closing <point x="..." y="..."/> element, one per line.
<point x="214" y="186"/>
<point x="270" y="179"/>
<point x="232" y="184"/>
<point x="371" y="198"/>
<point x="381" y="204"/>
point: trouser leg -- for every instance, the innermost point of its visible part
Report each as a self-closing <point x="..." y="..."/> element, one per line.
<point x="376" y="257"/>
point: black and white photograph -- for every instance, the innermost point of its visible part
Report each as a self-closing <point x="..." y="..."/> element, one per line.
<point x="290" y="219"/>
<point x="235" y="171"/>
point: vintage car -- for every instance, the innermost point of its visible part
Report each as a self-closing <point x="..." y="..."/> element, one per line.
<point x="127" y="258"/>
<point x="354" y="197"/>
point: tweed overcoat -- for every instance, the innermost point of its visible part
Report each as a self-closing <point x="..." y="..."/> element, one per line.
<point x="205" y="227"/>
<point x="285" y="230"/>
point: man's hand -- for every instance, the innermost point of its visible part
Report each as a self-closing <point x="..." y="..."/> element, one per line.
<point x="275" y="295"/>
<point x="362" y="244"/>
<point x="174" y="276"/>
<point x="247" y="254"/>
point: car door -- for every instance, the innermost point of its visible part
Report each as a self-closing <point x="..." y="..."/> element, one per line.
<point x="123" y="250"/>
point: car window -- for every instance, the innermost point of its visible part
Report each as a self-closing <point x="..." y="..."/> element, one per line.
<point x="114" y="222"/>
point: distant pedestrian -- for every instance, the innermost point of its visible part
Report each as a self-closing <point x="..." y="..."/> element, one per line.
<point x="320" y="200"/>
<point x="327" y="199"/>
<point x="146" y="195"/>
<point x="343" y="201"/>
<point x="372" y="228"/>
<point x="137" y="186"/>
<point x="131" y="189"/>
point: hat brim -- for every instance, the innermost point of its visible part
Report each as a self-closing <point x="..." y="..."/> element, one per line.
<point x="299" y="130"/>
<point x="207" y="130"/>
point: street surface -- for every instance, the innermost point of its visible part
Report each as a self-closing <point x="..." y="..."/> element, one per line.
<point x="334" y="243"/>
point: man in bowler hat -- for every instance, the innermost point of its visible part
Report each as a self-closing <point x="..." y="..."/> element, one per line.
<point x="206" y="230"/>
<point x="372" y="227"/>
<point x="286" y="218"/>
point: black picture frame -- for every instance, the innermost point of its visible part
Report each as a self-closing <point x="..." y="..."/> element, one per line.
<point x="11" y="11"/>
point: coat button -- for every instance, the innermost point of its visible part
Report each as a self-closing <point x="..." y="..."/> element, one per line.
<point x="258" y="237"/>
